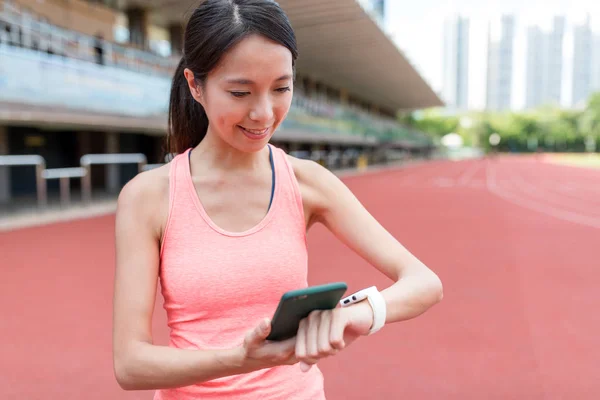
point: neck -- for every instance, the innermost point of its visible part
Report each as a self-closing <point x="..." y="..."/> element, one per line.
<point x="215" y="154"/>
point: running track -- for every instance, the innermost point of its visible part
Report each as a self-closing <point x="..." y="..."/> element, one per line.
<point x="515" y="242"/>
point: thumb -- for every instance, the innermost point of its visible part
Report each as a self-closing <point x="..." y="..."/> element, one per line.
<point x="259" y="333"/>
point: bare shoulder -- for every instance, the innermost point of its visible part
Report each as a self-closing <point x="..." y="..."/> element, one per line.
<point x="318" y="186"/>
<point x="145" y="199"/>
<point x="154" y="182"/>
<point x="311" y="173"/>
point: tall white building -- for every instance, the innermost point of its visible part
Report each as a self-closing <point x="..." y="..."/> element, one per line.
<point x="583" y="47"/>
<point x="544" y="64"/>
<point x="595" y="70"/>
<point x="455" y="91"/>
<point x="500" y="58"/>
<point x="586" y="63"/>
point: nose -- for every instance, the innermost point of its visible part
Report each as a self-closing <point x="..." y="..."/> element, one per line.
<point x="262" y="110"/>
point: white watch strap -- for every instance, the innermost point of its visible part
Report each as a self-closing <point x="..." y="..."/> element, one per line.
<point x="379" y="307"/>
<point x="376" y="301"/>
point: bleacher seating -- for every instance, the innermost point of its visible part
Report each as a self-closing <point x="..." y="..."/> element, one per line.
<point x="29" y="31"/>
<point x="319" y="113"/>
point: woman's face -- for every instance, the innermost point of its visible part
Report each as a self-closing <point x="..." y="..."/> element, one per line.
<point x="249" y="93"/>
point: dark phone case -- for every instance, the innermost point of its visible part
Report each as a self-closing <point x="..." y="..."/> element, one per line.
<point x="297" y="304"/>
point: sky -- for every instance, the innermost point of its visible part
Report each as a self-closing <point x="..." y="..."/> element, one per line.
<point x="417" y="29"/>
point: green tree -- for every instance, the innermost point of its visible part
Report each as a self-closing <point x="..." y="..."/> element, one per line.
<point x="589" y="122"/>
<point x="431" y="122"/>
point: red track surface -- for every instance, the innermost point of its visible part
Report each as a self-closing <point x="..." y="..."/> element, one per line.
<point x="514" y="241"/>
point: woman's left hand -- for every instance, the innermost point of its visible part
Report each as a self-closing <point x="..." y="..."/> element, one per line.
<point x="325" y="332"/>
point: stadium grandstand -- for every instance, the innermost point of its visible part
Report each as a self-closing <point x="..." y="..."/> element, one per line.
<point x="81" y="80"/>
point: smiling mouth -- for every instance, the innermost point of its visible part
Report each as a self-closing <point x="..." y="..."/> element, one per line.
<point x="257" y="132"/>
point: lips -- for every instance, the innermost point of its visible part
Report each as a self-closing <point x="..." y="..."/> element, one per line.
<point x="255" y="134"/>
<point x="255" y="131"/>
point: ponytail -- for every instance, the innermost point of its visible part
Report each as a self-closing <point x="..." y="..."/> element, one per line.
<point x="188" y="122"/>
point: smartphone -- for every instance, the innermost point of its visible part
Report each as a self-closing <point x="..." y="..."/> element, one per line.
<point x="295" y="305"/>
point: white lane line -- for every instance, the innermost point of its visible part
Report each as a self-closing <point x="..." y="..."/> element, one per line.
<point x="532" y="205"/>
<point x="443" y="182"/>
<point x="548" y="197"/>
<point x="468" y="175"/>
<point x="566" y="183"/>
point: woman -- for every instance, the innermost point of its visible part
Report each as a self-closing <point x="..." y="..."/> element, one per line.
<point x="223" y="226"/>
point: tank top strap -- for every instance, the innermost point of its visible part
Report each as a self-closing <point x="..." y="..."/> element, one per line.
<point x="177" y="193"/>
<point x="178" y="177"/>
<point x="289" y="190"/>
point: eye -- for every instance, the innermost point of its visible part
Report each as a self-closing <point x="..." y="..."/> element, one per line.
<point x="283" y="90"/>
<point x="239" y="94"/>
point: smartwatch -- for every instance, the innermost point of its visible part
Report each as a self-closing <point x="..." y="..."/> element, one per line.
<point x="377" y="302"/>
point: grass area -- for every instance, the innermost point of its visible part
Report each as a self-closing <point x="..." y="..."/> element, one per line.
<point x="580" y="160"/>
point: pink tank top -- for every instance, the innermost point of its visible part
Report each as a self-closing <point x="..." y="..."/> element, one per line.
<point x="217" y="285"/>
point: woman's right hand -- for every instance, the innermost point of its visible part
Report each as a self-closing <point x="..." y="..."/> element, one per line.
<point x="259" y="353"/>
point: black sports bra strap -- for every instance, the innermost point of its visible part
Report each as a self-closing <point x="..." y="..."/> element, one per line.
<point x="272" y="172"/>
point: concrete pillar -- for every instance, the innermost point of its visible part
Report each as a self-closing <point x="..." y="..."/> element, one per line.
<point x="4" y="171"/>
<point x="138" y="27"/>
<point x="161" y="150"/>
<point x="84" y="143"/>
<point x="294" y="147"/>
<point x="176" y="37"/>
<point x="112" y="171"/>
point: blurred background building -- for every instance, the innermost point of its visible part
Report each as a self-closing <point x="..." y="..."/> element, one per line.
<point x="528" y="61"/>
<point x="456" y="63"/>
<point x="93" y="77"/>
<point x="501" y="37"/>
<point x="545" y="64"/>
<point x="586" y="62"/>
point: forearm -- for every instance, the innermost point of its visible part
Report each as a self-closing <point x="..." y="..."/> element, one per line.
<point x="412" y="295"/>
<point x="151" y="367"/>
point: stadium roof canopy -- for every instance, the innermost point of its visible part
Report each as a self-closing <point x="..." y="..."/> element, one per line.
<point x="340" y="45"/>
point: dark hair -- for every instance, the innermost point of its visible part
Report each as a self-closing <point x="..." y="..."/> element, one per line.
<point x="214" y="27"/>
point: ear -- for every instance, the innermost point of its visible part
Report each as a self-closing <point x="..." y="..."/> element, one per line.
<point x="195" y="89"/>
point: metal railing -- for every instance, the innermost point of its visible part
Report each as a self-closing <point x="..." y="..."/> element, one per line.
<point x="106" y="159"/>
<point x="30" y="161"/>
<point x="64" y="175"/>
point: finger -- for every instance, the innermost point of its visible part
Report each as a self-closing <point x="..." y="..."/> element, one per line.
<point x="258" y="334"/>
<point x="301" y="340"/>
<point x="323" y="343"/>
<point x="336" y="331"/>
<point x="286" y="350"/>
<point x="304" y="367"/>
<point x="307" y="363"/>
<point x="312" y="334"/>
<point x="288" y="345"/>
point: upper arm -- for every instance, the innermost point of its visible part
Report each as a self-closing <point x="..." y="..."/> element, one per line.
<point x="137" y="234"/>
<point x="329" y="201"/>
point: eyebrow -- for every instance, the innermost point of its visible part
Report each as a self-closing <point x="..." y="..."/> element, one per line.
<point x="242" y="81"/>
